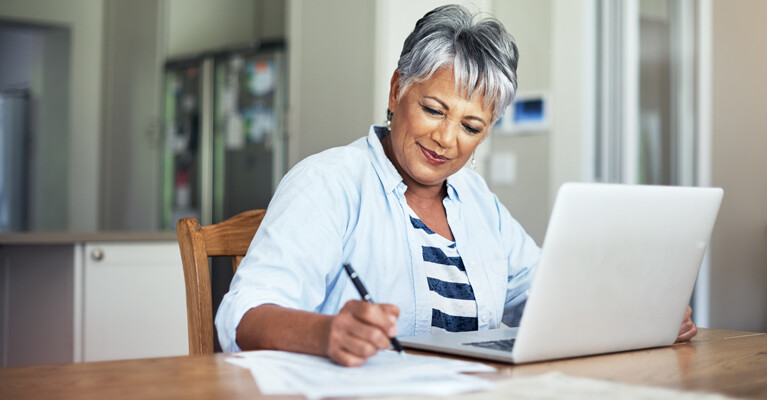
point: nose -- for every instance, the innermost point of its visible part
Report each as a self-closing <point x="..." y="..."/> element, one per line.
<point x="445" y="134"/>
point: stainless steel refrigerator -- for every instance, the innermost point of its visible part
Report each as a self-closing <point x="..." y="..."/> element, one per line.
<point x="14" y="160"/>
<point x="225" y="142"/>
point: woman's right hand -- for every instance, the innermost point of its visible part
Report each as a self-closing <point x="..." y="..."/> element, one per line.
<point x="359" y="330"/>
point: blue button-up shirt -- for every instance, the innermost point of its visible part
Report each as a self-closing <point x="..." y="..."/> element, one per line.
<point x="346" y="204"/>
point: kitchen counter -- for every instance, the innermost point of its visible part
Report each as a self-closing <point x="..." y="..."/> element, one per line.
<point x="23" y="238"/>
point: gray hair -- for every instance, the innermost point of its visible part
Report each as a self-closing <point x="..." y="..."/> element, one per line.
<point x="481" y="53"/>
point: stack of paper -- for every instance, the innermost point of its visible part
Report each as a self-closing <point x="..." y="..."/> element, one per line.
<point x="384" y="374"/>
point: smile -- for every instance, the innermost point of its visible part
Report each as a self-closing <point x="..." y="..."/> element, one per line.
<point x="432" y="157"/>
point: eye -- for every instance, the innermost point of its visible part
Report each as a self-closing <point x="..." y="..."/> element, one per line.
<point x="471" y="129"/>
<point x="431" y="111"/>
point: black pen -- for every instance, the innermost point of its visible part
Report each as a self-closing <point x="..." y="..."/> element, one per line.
<point x="366" y="296"/>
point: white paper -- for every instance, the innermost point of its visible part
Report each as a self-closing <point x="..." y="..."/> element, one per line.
<point x="384" y="374"/>
<point x="556" y="385"/>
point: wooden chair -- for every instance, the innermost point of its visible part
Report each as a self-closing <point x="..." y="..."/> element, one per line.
<point x="228" y="238"/>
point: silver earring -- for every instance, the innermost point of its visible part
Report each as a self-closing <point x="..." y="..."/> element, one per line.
<point x="473" y="160"/>
<point x="388" y="124"/>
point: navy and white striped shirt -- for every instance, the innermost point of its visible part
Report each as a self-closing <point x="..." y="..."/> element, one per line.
<point x="454" y="308"/>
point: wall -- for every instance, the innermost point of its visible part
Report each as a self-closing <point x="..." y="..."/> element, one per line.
<point x="527" y="197"/>
<point x="195" y="26"/>
<point x="131" y="123"/>
<point x="574" y="82"/>
<point x="330" y="78"/>
<point x="84" y="18"/>
<point x="52" y="149"/>
<point x="199" y="25"/>
<point x="739" y="141"/>
<point x="557" y="59"/>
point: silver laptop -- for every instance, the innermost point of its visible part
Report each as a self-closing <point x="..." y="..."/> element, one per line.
<point x="617" y="269"/>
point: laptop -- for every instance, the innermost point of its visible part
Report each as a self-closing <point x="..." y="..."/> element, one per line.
<point x="617" y="269"/>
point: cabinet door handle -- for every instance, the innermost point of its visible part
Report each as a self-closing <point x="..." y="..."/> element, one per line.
<point x="97" y="254"/>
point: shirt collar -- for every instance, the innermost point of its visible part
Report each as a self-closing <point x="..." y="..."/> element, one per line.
<point x="453" y="186"/>
<point x="389" y="176"/>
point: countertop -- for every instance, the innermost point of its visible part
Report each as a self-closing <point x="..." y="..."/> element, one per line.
<point x="36" y="238"/>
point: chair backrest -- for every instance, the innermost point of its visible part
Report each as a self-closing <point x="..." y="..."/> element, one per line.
<point x="228" y="238"/>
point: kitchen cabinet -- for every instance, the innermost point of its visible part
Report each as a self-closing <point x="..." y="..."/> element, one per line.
<point x="90" y="298"/>
<point x="134" y="301"/>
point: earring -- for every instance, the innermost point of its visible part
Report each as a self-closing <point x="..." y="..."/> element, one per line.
<point x="473" y="160"/>
<point x="388" y="124"/>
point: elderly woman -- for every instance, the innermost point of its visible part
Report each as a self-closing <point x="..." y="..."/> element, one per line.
<point x="432" y="243"/>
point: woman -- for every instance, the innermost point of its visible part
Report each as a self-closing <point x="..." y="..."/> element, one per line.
<point x="434" y="246"/>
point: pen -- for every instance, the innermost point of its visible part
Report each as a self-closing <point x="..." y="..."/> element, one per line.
<point x="366" y="296"/>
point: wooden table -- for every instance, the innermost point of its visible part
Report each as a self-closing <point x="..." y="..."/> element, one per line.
<point x="721" y="361"/>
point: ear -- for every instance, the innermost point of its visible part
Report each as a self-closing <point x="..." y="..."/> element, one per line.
<point x="394" y="91"/>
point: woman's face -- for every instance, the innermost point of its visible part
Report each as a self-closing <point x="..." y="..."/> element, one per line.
<point x="434" y="129"/>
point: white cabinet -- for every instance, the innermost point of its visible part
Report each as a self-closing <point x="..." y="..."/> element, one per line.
<point x="134" y="304"/>
<point x="90" y="300"/>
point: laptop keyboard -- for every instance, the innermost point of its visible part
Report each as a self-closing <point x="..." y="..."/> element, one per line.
<point x="503" y="345"/>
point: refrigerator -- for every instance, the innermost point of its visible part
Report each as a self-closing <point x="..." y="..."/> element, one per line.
<point x="14" y="160"/>
<point x="225" y="143"/>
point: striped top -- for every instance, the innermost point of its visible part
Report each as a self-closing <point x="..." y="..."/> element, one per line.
<point x="454" y="308"/>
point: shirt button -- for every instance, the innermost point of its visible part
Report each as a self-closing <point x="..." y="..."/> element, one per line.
<point x="484" y="318"/>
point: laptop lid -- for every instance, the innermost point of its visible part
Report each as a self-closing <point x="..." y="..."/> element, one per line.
<point x="617" y="269"/>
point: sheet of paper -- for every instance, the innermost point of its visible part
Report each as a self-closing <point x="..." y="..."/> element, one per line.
<point x="385" y="374"/>
<point x="556" y="385"/>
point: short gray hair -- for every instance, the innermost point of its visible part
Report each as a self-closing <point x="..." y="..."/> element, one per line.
<point x="481" y="53"/>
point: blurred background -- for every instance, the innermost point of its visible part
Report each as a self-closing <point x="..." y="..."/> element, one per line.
<point x="127" y="115"/>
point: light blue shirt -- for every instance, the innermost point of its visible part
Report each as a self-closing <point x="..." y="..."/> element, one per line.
<point x="347" y="204"/>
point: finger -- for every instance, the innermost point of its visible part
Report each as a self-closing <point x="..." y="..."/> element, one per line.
<point x="390" y="309"/>
<point x="686" y="326"/>
<point x="344" y="347"/>
<point x="378" y="315"/>
<point x="342" y="357"/>
<point x="359" y="347"/>
<point x="687" y="323"/>
<point x="688" y="333"/>
<point x="347" y="323"/>
<point x="370" y="334"/>
<point x="392" y="312"/>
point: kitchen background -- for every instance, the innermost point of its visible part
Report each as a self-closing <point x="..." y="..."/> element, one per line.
<point x="120" y="116"/>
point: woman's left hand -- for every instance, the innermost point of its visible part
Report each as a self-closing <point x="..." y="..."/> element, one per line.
<point x="688" y="329"/>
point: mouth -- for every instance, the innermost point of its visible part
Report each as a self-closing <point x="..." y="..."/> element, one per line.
<point x="432" y="157"/>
